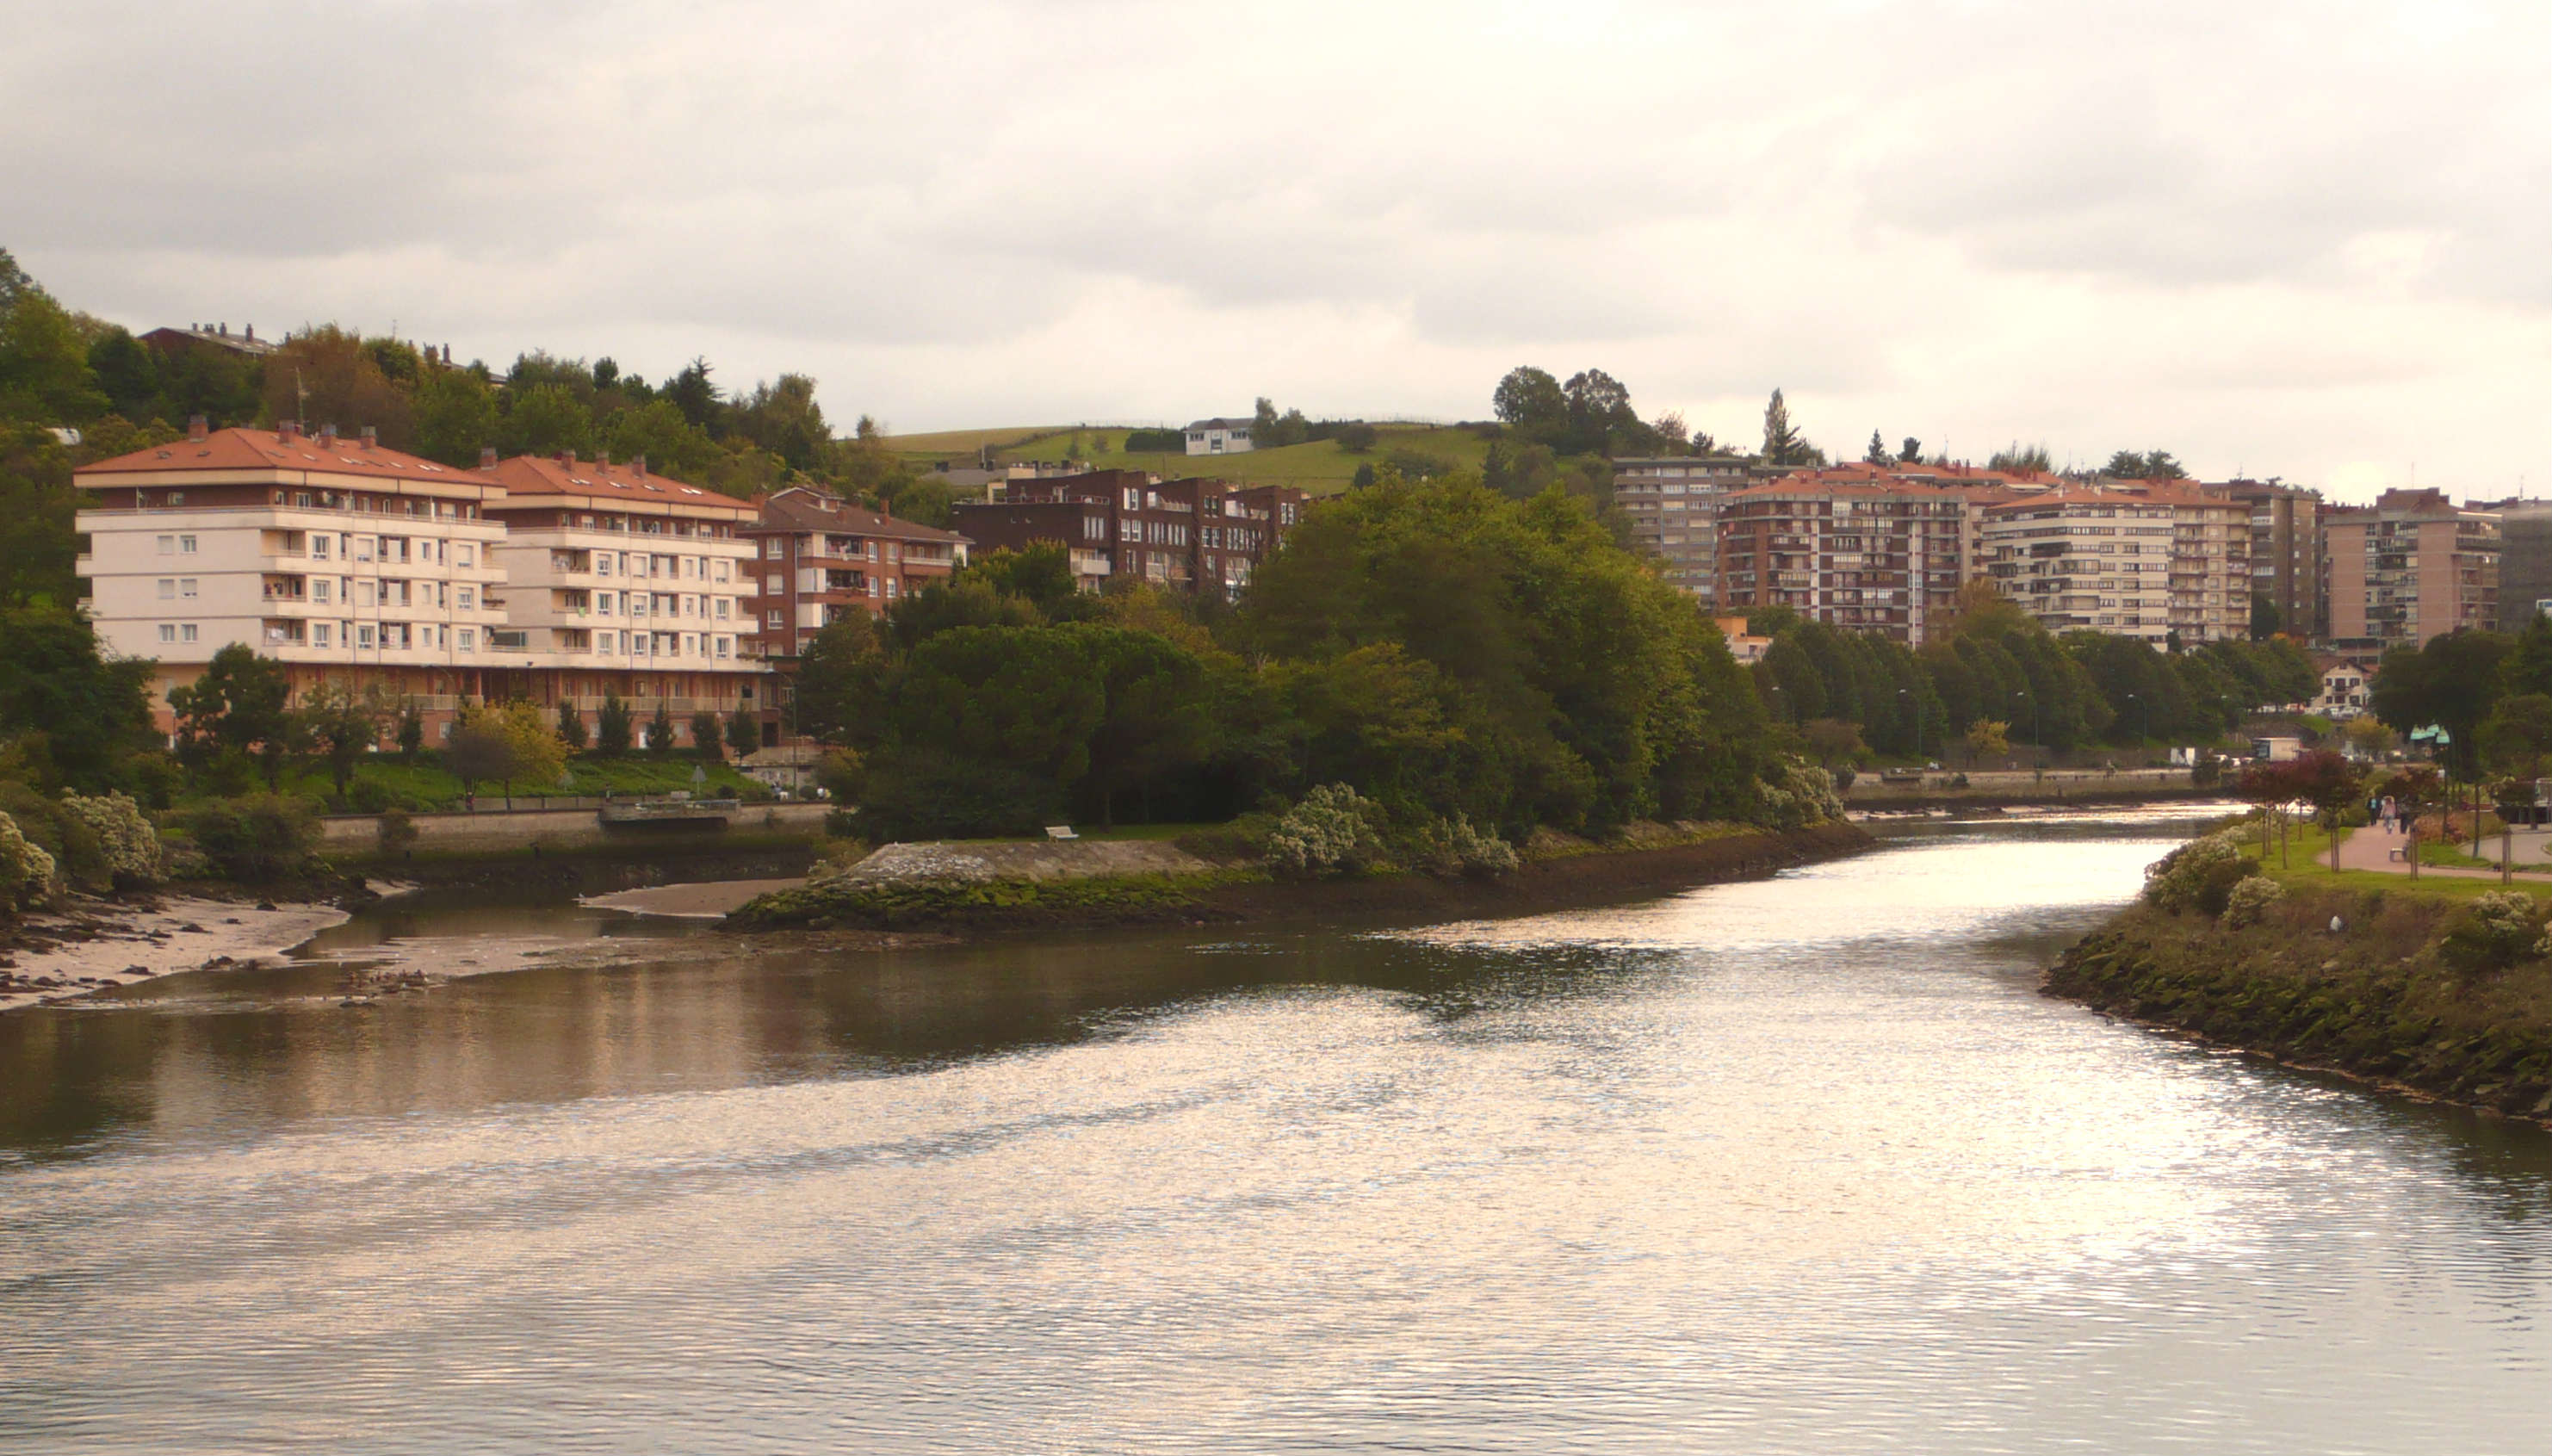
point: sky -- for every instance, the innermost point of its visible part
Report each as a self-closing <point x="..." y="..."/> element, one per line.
<point x="2307" y="240"/>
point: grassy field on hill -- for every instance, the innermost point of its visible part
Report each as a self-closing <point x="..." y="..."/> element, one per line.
<point x="1319" y="466"/>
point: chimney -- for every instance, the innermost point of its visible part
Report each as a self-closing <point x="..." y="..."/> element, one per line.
<point x="638" y="465"/>
<point x="486" y="457"/>
<point x="328" y="434"/>
<point x="225" y="329"/>
<point x="602" y="458"/>
<point x="251" y="331"/>
<point x="286" y="428"/>
<point x="566" y="458"/>
<point x="198" y="428"/>
<point x="371" y="437"/>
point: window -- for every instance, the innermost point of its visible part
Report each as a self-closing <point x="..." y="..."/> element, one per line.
<point x="186" y="586"/>
<point x="690" y="646"/>
<point x="319" y="634"/>
<point x="186" y="633"/>
<point x="724" y="645"/>
<point x="319" y="587"/>
<point x="364" y="635"/>
<point x="721" y="569"/>
<point x="721" y="609"/>
<point x="467" y="597"/>
<point x="168" y="545"/>
<point x="167" y="589"/>
<point x="690" y="606"/>
<point x="167" y="632"/>
<point x="603" y="563"/>
<point x="366" y="596"/>
<point x="891" y="584"/>
<point x="771" y="621"/>
<point x="603" y="641"/>
<point x="771" y="547"/>
<point x="363" y="548"/>
<point x="185" y="546"/>
<point x="469" y="638"/>
<point x="602" y="603"/>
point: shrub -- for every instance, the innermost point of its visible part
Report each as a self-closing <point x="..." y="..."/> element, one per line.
<point x="708" y="736"/>
<point x="1799" y="794"/>
<point x="26" y="871"/>
<point x="70" y="846"/>
<point x="2249" y="900"/>
<point x="841" y="775"/>
<point x="1447" y="847"/>
<point x="2200" y="875"/>
<point x="398" y="831"/>
<point x="255" y="838"/>
<point x="1330" y="832"/>
<point x="2491" y="932"/>
<point x="128" y="847"/>
<point x="920" y="795"/>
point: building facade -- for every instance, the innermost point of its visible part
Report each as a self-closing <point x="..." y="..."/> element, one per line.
<point x="2287" y="569"/>
<point x="812" y="558"/>
<point x="1672" y="504"/>
<point x="1857" y="548"/>
<point x="2410" y="568"/>
<point x="1220" y="437"/>
<point x="371" y="568"/>
<point x="2524" y="563"/>
<point x="619" y="580"/>
<point x="2151" y="562"/>
<point x="1188" y="535"/>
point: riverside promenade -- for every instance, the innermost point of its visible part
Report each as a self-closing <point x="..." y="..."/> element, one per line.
<point x="2374" y="849"/>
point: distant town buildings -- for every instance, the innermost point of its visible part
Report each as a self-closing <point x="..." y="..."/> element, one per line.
<point x="812" y="558"/>
<point x="1861" y="548"/>
<point x="1672" y="504"/>
<point x="1219" y="437"/>
<point x="1188" y="535"/>
<point x="2524" y="563"/>
<point x="2286" y="553"/>
<point x="2411" y="566"/>
<point x="2153" y="561"/>
<point x="210" y="336"/>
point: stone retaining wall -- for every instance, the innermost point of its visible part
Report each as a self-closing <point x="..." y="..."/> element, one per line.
<point x="497" y="830"/>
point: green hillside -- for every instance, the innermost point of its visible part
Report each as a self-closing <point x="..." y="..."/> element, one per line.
<point x="1319" y="467"/>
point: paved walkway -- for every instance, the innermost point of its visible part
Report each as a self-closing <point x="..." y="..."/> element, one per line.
<point x="2373" y="849"/>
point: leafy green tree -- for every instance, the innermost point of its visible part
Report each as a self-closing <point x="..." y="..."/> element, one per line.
<point x="344" y="725"/>
<point x="612" y="727"/>
<point x="1910" y="453"/>
<point x="743" y="734"/>
<point x="45" y="375"/>
<point x="510" y="744"/>
<point x="570" y="725"/>
<point x="544" y="419"/>
<point x="88" y="712"/>
<point x="1877" y="453"/>
<point x="2517" y="738"/>
<point x="2017" y="458"/>
<point x="2452" y="682"/>
<point x="660" y="730"/>
<point x="239" y="705"/>
<point x="127" y="372"/>
<point x="455" y="417"/>
<point x="411" y="731"/>
<point x="329" y="375"/>
<point x="841" y="676"/>
<point x="699" y="401"/>
<point x="708" y="736"/>
<point x="1531" y="401"/>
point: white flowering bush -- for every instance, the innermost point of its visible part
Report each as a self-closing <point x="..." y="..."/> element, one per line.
<point x="1453" y="847"/>
<point x="2200" y="875"/>
<point x="2493" y="931"/>
<point x="26" y="871"/>
<point x="2249" y="900"/>
<point x="128" y="844"/>
<point x="1330" y="832"/>
<point x="1800" y="795"/>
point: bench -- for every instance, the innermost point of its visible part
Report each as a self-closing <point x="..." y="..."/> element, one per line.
<point x="1060" y="831"/>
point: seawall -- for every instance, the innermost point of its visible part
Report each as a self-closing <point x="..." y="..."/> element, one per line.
<point x="2379" y="1002"/>
<point x="1935" y="788"/>
<point x="498" y="831"/>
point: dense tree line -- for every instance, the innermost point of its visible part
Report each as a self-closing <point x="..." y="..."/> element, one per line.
<point x="1446" y="651"/>
<point x="1996" y="664"/>
<point x="2490" y="691"/>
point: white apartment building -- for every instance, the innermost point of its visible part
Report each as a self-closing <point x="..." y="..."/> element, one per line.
<point x="1220" y="436"/>
<point x="370" y="568"/>
<point x="2142" y="560"/>
<point x="618" y="580"/>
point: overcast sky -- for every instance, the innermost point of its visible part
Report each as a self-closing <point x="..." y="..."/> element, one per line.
<point x="2311" y="240"/>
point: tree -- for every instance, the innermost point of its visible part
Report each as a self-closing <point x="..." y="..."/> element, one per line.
<point x="45" y="375"/>
<point x="238" y="704"/>
<point x="544" y="419"/>
<point x="1910" y="453"/>
<point x="1599" y="409"/>
<point x="1531" y="401"/>
<point x="456" y="416"/>
<point x="1988" y="738"/>
<point x="612" y="727"/>
<point x="344" y="725"/>
<point x="86" y="713"/>
<point x="743" y="734"/>
<point x="2022" y="458"/>
<point x="1783" y="444"/>
<point x="2369" y="736"/>
<point x="2330" y="783"/>
<point x="2451" y="683"/>
<point x="411" y="731"/>
<point x="1876" y="453"/>
<point x="571" y="724"/>
<point x="2517" y="738"/>
<point x="692" y="392"/>
<point x="328" y="376"/>
<point x="2269" y="786"/>
<point x="660" y="730"/>
<point x="1834" y="741"/>
<point x="505" y="744"/>
<point x="708" y="736"/>
<point x="2157" y="465"/>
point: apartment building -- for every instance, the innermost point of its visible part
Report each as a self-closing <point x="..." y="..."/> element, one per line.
<point x="812" y="558"/>
<point x="554" y="580"/>
<point x="341" y="560"/>
<point x="1188" y="535"/>
<point x="2410" y="567"/>
<point x="2287" y="566"/>
<point x="2524" y="563"/>
<point x="2147" y="560"/>
<point x="1858" y="548"/>
<point x="619" y="580"/>
<point x="1673" y="505"/>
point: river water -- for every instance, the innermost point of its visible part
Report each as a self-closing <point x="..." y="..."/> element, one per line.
<point x="1802" y="1164"/>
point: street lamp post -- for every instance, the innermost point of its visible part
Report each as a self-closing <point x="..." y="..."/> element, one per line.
<point x="2034" y="724"/>
<point x="2147" y="705"/>
<point x="1918" y="720"/>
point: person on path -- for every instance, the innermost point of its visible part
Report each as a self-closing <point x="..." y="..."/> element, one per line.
<point x="2391" y="815"/>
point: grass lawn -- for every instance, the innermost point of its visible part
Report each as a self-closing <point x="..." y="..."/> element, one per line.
<point x="426" y="786"/>
<point x="2307" y="866"/>
<point x="1319" y="466"/>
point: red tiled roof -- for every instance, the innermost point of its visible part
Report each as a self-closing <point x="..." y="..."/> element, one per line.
<point x="2141" y="492"/>
<point x="800" y="509"/>
<point x="238" y="450"/>
<point x="542" y="475"/>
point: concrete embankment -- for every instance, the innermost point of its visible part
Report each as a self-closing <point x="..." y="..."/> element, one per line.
<point x="498" y="831"/>
<point x="2393" y="997"/>
<point x="1947" y="789"/>
<point x="1018" y="887"/>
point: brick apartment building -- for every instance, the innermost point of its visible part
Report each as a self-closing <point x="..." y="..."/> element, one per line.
<point x="2142" y="560"/>
<point x="1673" y="505"/>
<point x="2286" y="552"/>
<point x="1860" y="547"/>
<point x="1188" y="535"/>
<point x="816" y="557"/>
<point x="2411" y="566"/>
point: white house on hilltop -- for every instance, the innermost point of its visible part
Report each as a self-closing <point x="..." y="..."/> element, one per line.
<point x="1219" y="437"/>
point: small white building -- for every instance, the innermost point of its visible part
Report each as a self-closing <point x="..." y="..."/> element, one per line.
<point x="1219" y="437"/>
<point x="2344" y="686"/>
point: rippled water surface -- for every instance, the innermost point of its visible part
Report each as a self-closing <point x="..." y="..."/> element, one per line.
<point x="1803" y="1164"/>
